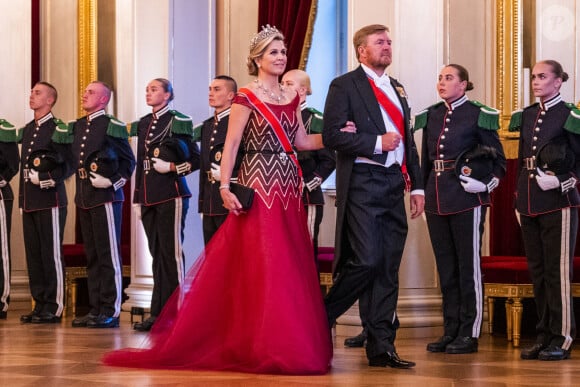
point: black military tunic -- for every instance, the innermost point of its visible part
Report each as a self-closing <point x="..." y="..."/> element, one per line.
<point x="100" y="209"/>
<point x="455" y="218"/>
<point x="8" y="169"/>
<point x="212" y="136"/>
<point x="318" y="165"/>
<point x="549" y="219"/>
<point x="44" y="210"/>
<point x="164" y="199"/>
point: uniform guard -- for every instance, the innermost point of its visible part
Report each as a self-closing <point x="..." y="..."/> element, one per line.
<point x="165" y="155"/>
<point x="46" y="163"/>
<point x="99" y="200"/>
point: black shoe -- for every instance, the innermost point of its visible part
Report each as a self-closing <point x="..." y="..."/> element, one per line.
<point x="103" y="321"/>
<point x="45" y="318"/>
<point x="390" y="359"/>
<point x="553" y="352"/>
<point x="462" y="344"/>
<point x="80" y="322"/>
<point x="146" y="325"/>
<point x="27" y="318"/>
<point x="532" y="352"/>
<point x="356" y="341"/>
<point x="3" y="315"/>
<point x="441" y="344"/>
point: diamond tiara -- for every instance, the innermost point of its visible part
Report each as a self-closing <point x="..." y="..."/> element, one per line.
<point x="266" y="32"/>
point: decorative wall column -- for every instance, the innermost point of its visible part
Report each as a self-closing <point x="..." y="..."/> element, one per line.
<point x="142" y="52"/>
<point x="180" y="46"/>
<point x="87" y="47"/>
<point x="15" y="78"/>
<point x="508" y="69"/>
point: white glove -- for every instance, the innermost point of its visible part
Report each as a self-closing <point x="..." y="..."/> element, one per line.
<point x="314" y="183"/>
<point x="99" y="181"/>
<point x="46" y="184"/>
<point x="216" y="171"/>
<point x="546" y="182"/>
<point x="161" y="166"/>
<point x="137" y="209"/>
<point x="471" y="185"/>
<point x="33" y="176"/>
<point x="3" y="183"/>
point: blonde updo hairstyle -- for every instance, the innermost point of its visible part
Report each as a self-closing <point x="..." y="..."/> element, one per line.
<point x="258" y="46"/>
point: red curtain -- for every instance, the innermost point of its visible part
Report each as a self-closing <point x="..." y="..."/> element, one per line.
<point x="35" y="42"/>
<point x="506" y="237"/>
<point x="294" y="19"/>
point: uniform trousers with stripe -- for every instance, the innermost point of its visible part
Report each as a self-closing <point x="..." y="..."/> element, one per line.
<point x="456" y="241"/>
<point x="376" y="227"/>
<point x="101" y="231"/>
<point x="5" y="226"/>
<point x="43" y="232"/>
<point x="549" y="241"/>
<point x="314" y="215"/>
<point x="164" y="226"/>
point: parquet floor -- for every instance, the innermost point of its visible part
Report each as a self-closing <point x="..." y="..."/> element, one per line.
<point x="58" y="355"/>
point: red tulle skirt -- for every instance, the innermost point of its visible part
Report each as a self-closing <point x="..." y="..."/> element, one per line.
<point x="250" y="303"/>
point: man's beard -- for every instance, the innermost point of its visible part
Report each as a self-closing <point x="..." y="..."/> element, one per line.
<point x="383" y="61"/>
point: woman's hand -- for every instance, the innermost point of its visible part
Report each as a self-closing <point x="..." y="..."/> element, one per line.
<point x="349" y="127"/>
<point x="231" y="201"/>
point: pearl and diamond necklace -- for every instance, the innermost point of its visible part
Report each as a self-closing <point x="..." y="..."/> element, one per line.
<point x="278" y="98"/>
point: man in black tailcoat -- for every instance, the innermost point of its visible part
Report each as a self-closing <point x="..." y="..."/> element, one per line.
<point x="374" y="166"/>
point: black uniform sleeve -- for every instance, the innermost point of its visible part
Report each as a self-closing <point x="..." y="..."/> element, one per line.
<point x="126" y="158"/>
<point x="9" y="151"/>
<point x="64" y="170"/>
<point x="326" y="162"/>
<point x="194" y="159"/>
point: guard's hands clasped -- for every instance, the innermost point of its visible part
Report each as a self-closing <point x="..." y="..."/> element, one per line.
<point x="33" y="177"/>
<point x="161" y="166"/>
<point x="216" y="171"/>
<point x="99" y="181"/>
<point x="546" y="182"/>
<point x="472" y="185"/>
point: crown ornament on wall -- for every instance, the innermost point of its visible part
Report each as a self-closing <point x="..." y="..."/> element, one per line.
<point x="266" y="32"/>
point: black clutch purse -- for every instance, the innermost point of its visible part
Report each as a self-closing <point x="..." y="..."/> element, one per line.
<point x="244" y="194"/>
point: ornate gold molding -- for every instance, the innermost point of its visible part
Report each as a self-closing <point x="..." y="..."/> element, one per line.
<point x="87" y="46"/>
<point x="308" y="37"/>
<point x="508" y="68"/>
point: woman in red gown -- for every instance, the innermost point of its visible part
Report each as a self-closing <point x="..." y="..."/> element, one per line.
<point x="252" y="301"/>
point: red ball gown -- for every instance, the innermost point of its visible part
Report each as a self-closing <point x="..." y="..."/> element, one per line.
<point x="252" y="301"/>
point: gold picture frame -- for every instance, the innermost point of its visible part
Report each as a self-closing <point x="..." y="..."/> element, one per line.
<point x="508" y="68"/>
<point x="87" y="46"/>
